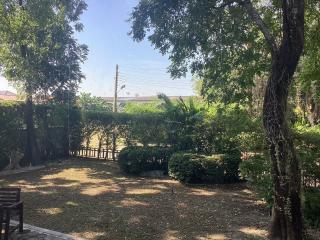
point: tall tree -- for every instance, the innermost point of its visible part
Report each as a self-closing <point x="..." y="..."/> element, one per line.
<point x="39" y="53"/>
<point x="230" y="41"/>
<point x="91" y="103"/>
<point x="308" y="77"/>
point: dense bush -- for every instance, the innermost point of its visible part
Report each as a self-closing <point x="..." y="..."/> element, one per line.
<point x="312" y="207"/>
<point x="11" y="122"/>
<point x="195" y="168"/>
<point x="230" y="163"/>
<point x="54" y="124"/>
<point x="186" y="167"/>
<point x="232" y="128"/>
<point x="136" y="159"/>
<point x="307" y="141"/>
<point x="184" y="125"/>
<point x="257" y="170"/>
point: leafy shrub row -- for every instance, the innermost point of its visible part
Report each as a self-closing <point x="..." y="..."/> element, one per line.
<point x="137" y="159"/>
<point x="312" y="207"/>
<point x="257" y="170"/>
<point x="195" y="168"/>
<point x="11" y="119"/>
<point x="52" y="122"/>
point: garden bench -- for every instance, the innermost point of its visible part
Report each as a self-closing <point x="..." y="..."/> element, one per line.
<point x="10" y="205"/>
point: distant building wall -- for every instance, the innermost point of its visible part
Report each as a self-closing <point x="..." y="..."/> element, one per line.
<point x="146" y="99"/>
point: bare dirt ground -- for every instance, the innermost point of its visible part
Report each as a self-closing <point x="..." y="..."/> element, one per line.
<point x="94" y="200"/>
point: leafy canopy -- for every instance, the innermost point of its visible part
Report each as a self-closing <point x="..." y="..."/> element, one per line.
<point x="309" y="74"/>
<point x="38" y="49"/>
<point x="215" y="39"/>
<point x="219" y="42"/>
<point x="91" y="103"/>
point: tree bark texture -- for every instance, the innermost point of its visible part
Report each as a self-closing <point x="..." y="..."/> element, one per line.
<point x="31" y="150"/>
<point x="287" y="220"/>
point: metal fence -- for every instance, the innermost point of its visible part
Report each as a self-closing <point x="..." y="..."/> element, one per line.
<point x="95" y="153"/>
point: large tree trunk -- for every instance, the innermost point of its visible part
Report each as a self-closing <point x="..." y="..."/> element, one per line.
<point x="31" y="150"/>
<point x="287" y="220"/>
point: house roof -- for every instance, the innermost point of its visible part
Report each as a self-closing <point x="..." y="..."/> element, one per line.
<point x="7" y="95"/>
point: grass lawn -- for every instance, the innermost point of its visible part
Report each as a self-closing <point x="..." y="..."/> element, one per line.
<point x="94" y="200"/>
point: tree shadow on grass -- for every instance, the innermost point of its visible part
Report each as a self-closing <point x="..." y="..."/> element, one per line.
<point x="94" y="200"/>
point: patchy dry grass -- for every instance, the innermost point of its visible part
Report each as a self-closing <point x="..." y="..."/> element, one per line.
<point x="92" y="199"/>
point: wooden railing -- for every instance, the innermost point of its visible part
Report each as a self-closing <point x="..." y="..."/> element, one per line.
<point x="310" y="181"/>
<point x="94" y="153"/>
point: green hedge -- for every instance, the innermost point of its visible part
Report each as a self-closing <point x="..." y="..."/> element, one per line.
<point x="11" y="121"/>
<point x="312" y="207"/>
<point x="195" y="168"/>
<point x="51" y="128"/>
<point x="257" y="170"/>
<point x="136" y="159"/>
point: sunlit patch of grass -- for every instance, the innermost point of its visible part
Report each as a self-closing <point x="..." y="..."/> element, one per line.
<point x="247" y="191"/>
<point x="81" y="197"/>
<point x="254" y="231"/>
<point x="164" y="181"/>
<point x="99" y="190"/>
<point x="50" y="211"/>
<point x="213" y="237"/>
<point x="142" y="191"/>
<point x="202" y="192"/>
<point x="132" y="203"/>
<point x="22" y="182"/>
<point x="159" y="186"/>
<point x="73" y="174"/>
<point x="73" y="204"/>
<point x="89" y="234"/>
<point x="171" y="235"/>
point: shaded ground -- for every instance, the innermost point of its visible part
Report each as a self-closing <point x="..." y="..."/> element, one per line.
<point x="92" y="199"/>
<point x="36" y="233"/>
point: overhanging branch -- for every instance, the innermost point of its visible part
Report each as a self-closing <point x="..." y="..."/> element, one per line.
<point x="253" y="13"/>
<point x="227" y="3"/>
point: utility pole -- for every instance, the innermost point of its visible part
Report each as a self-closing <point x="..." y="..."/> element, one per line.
<point x="115" y="108"/>
<point x="115" y="98"/>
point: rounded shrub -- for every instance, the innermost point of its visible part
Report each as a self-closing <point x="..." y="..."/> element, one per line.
<point x="214" y="171"/>
<point x="186" y="167"/>
<point x="231" y="162"/>
<point x="195" y="168"/>
<point x="137" y="159"/>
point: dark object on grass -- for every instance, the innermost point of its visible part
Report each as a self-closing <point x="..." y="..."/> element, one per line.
<point x="11" y="205"/>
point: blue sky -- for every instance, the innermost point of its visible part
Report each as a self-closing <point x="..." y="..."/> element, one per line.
<point x="142" y="68"/>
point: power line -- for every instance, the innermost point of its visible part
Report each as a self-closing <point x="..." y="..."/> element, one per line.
<point x="160" y="86"/>
<point x="156" y="78"/>
<point x="158" y="83"/>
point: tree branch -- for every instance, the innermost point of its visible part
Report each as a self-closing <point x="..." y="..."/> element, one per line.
<point x="253" y="13"/>
<point x="227" y="3"/>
